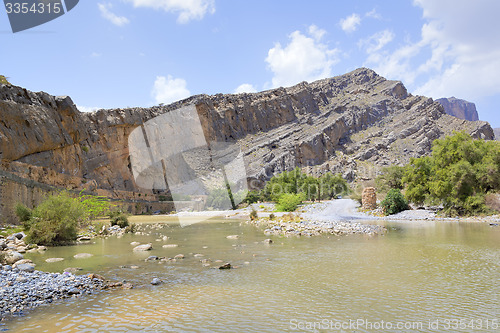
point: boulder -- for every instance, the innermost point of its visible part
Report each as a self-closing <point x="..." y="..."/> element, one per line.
<point x="143" y="247"/>
<point x="82" y="255"/>
<point x="26" y="268"/>
<point x="12" y="257"/>
<point x="52" y="260"/>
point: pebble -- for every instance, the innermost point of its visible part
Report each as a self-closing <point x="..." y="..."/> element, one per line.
<point x="155" y="281"/>
<point x="167" y="246"/>
<point x="232" y="237"/>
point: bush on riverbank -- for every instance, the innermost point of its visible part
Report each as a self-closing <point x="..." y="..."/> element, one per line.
<point x="458" y="175"/>
<point x="119" y="218"/>
<point x="462" y="174"/>
<point x="328" y="186"/>
<point x="55" y="221"/>
<point x="394" y="202"/>
<point x="288" y="202"/>
<point x="22" y="212"/>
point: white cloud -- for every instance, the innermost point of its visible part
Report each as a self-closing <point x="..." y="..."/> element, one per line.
<point x="95" y="55"/>
<point x="316" y="32"/>
<point x="465" y="56"/>
<point x="245" y="88"/>
<point x="373" y="14"/>
<point x="87" y="108"/>
<point x="305" y="58"/>
<point x="350" y="23"/>
<point x="376" y="41"/>
<point x="105" y="9"/>
<point x="168" y="89"/>
<point x="457" y="53"/>
<point x="186" y="9"/>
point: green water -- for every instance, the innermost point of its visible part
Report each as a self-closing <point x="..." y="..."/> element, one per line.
<point x="417" y="275"/>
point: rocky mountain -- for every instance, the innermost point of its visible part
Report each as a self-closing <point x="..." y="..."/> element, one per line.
<point x="497" y="133"/>
<point x="353" y="124"/>
<point x="459" y="108"/>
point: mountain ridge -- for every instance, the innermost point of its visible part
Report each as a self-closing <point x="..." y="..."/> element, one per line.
<point x="353" y="124"/>
<point x="459" y="108"/>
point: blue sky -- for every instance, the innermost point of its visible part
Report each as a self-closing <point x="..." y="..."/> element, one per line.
<point x="120" y="53"/>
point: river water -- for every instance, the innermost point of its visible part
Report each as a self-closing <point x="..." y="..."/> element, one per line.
<point x="419" y="277"/>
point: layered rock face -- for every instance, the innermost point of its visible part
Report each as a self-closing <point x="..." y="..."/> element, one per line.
<point x="459" y="108"/>
<point x="352" y="124"/>
<point x="497" y="133"/>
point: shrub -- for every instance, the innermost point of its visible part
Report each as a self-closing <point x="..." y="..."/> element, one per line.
<point x="253" y="214"/>
<point x="289" y="202"/>
<point x="23" y="212"/>
<point x="95" y="206"/>
<point x="252" y="197"/>
<point x="119" y="218"/>
<point x="394" y="202"/>
<point x="272" y="216"/>
<point x="55" y="220"/>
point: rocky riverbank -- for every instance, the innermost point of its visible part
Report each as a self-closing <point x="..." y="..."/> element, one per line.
<point x="293" y="225"/>
<point x="23" y="289"/>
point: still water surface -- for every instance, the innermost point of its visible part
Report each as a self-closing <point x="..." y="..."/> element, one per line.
<point x="415" y="274"/>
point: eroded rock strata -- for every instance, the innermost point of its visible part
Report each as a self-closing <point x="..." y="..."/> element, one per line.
<point x="353" y="124"/>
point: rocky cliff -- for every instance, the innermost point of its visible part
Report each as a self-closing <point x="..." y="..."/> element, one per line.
<point x="353" y="124"/>
<point x="459" y="108"/>
<point x="497" y="133"/>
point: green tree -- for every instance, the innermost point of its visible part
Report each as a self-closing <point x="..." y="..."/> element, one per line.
<point x="332" y="186"/>
<point x="391" y="177"/>
<point x="458" y="174"/>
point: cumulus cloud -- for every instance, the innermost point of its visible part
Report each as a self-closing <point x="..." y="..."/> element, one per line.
<point x="305" y="58"/>
<point x="377" y="41"/>
<point x="457" y="53"/>
<point x="168" y="89"/>
<point x="350" y="23"/>
<point x="245" y="88"/>
<point x="105" y="9"/>
<point x="187" y="10"/>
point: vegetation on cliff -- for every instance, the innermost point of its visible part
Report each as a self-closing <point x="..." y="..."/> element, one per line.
<point x="458" y="175"/>
<point x="3" y="80"/>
